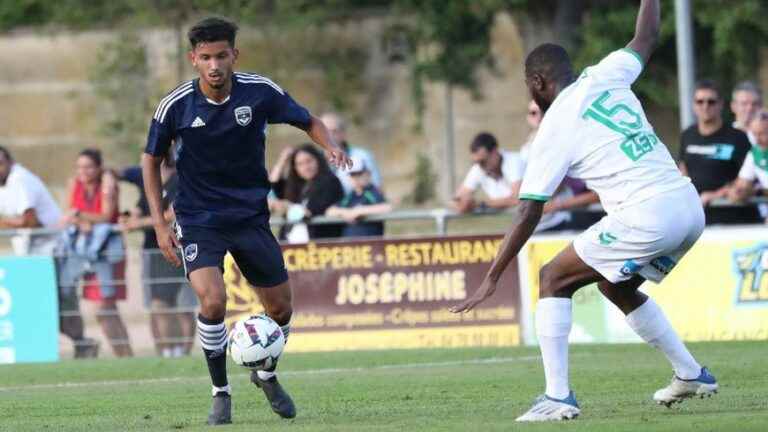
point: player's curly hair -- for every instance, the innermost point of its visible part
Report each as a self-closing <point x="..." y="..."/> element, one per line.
<point x="551" y="61"/>
<point x="212" y="29"/>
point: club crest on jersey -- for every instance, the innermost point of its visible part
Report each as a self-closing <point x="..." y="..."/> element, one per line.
<point x="190" y="252"/>
<point x="243" y="115"/>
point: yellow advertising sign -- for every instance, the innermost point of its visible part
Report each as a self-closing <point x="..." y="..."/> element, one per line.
<point x="719" y="291"/>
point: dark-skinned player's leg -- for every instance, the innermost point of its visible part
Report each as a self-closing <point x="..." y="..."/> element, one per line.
<point x="558" y="281"/>
<point x="648" y="321"/>
<point x="208" y="284"/>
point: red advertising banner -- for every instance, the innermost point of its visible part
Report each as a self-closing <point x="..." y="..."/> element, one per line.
<point x="372" y="294"/>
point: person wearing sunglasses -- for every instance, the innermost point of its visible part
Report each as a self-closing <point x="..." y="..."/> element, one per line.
<point x="711" y="154"/>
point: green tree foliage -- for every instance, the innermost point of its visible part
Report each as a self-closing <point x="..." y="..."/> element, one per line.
<point x="120" y="79"/>
<point x="453" y="36"/>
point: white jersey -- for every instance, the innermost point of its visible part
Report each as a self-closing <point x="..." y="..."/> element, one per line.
<point x="23" y="191"/>
<point x="753" y="170"/>
<point x="511" y="172"/>
<point x="596" y="130"/>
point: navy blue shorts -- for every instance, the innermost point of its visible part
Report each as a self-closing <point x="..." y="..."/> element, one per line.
<point x="252" y="245"/>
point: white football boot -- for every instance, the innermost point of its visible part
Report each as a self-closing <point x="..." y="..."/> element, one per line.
<point x="679" y="389"/>
<point x="546" y="408"/>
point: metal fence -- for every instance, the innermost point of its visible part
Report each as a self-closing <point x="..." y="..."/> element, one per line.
<point x="137" y="314"/>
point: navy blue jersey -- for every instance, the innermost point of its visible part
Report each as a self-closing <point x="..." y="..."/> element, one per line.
<point x="222" y="177"/>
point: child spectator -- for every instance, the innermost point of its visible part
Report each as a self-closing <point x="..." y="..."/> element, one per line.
<point x="363" y="200"/>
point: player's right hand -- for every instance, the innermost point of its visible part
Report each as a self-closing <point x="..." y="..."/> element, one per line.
<point x="168" y="244"/>
<point x="487" y="289"/>
<point x="339" y="159"/>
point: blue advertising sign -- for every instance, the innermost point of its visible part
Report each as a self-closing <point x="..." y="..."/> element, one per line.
<point x="29" y="311"/>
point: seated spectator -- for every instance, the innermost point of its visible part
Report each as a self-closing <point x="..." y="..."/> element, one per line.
<point x="26" y="203"/>
<point x="746" y="100"/>
<point x="93" y="209"/>
<point x="711" y="154"/>
<point x="165" y="286"/>
<point x="307" y="190"/>
<point x="364" y="200"/>
<point x="338" y="130"/>
<point x="754" y="173"/>
<point x="499" y="174"/>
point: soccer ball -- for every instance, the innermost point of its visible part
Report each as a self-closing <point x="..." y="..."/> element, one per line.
<point x="256" y="342"/>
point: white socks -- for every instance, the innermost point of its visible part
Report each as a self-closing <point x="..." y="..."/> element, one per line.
<point x="216" y="390"/>
<point x="649" y="322"/>
<point x="553" y="324"/>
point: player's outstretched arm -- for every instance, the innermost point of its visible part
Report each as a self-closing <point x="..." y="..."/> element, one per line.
<point x="320" y="135"/>
<point x="518" y="234"/>
<point x="646" y="29"/>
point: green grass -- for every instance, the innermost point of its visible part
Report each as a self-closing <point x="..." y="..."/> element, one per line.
<point x="415" y="390"/>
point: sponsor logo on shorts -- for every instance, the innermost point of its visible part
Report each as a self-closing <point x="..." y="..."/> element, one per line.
<point x="630" y="267"/>
<point x="663" y="264"/>
<point x="190" y="252"/>
<point x="750" y="266"/>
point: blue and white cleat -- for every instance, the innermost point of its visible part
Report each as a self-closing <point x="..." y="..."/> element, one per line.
<point x="546" y="408"/>
<point x="679" y="389"/>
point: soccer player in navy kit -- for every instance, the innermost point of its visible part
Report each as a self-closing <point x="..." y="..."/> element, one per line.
<point x="219" y="122"/>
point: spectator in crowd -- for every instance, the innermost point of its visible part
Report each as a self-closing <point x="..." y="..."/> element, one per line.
<point x="307" y="190"/>
<point x="498" y="173"/>
<point x="746" y="100"/>
<point x="93" y="209"/>
<point x="753" y="176"/>
<point x="26" y="203"/>
<point x="533" y="118"/>
<point x="711" y="154"/>
<point x="364" y="200"/>
<point x="165" y="286"/>
<point x="337" y="127"/>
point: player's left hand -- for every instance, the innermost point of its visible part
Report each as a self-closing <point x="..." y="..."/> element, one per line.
<point x="486" y="290"/>
<point x="339" y="159"/>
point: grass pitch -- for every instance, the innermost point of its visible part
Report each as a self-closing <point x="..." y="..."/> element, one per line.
<point x="406" y="390"/>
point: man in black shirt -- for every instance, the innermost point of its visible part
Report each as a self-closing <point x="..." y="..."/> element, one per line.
<point x="711" y="154"/>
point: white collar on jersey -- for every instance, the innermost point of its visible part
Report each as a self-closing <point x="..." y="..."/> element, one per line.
<point x="218" y="103"/>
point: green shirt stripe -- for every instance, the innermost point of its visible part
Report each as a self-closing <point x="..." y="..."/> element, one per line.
<point x="534" y="197"/>
<point x="636" y="54"/>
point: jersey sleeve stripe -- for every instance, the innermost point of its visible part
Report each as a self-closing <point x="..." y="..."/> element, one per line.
<point x="251" y="81"/>
<point x="170" y="103"/>
<point x="255" y="79"/>
<point x="534" y="197"/>
<point x="635" y="54"/>
<point x="187" y="85"/>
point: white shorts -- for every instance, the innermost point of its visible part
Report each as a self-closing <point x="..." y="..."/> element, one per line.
<point x="646" y="239"/>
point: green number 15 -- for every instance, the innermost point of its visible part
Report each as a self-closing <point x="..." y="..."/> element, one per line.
<point x="636" y="142"/>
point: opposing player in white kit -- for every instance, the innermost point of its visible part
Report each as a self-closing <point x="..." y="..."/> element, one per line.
<point x="595" y="129"/>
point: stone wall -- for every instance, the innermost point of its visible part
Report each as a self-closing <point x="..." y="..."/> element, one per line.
<point x="51" y="110"/>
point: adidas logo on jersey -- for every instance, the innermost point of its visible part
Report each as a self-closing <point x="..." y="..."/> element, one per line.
<point x="198" y="122"/>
